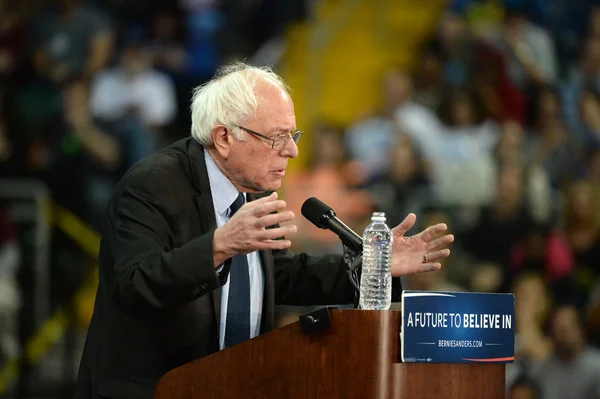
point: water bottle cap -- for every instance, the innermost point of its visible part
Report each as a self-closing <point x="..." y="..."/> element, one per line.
<point x="378" y="216"/>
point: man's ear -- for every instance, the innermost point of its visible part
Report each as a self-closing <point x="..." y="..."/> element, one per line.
<point x="221" y="136"/>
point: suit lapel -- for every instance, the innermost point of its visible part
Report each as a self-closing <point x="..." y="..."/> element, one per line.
<point x="207" y="217"/>
<point x="206" y="208"/>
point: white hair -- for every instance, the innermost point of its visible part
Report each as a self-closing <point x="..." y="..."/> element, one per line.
<point x="229" y="99"/>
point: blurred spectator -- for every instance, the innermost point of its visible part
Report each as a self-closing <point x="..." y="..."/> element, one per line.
<point x="458" y="146"/>
<point x="582" y="228"/>
<point x="89" y="161"/>
<point x="551" y="145"/>
<point x="573" y="371"/>
<point x="524" y="388"/>
<point x="512" y="150"/>
<point x="461" y="108"/>
<point x="500" y="97"/>
<point x="371" y="140"/>
<point x="134" y="89"/>
<point x="404" y="186"/>
<point x="532" y="308"/>
<point x="511" y="145"/>
<point x="486" y="277"/>
<point x="463" y="163"/>
<point x="209" y="34"/>
<point x="429" y="80"/>
<point x="413" y="119"/>
<point x="528" y="50"/>
<point x="71" y="41"/>
<point x="584" y="74"/>
<point x="567" y="21"/>
<point x="533" y="302"/>
<point x="13" y="37"/>
<point x="13" y="43"/>
<point x="471" y="58"/>
<point x="10" y="297"/>
<point x="456" y="47"/>
<point x="330" y="178"/>
<point x="502" y="225"/>
<point x="544" y="250"/>
<point x="102" y="148"/>
<point x="589" y="129"/>
<point x="593" y="21"/>
<point x="167" y="43"/>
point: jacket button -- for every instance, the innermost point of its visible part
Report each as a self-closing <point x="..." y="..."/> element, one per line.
<point x="196" y="291"/>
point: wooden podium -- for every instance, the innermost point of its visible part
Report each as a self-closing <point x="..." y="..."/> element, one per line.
<point x="355" y="355"/>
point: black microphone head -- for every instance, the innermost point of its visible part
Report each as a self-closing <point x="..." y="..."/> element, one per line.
<point x="316" y="212"/>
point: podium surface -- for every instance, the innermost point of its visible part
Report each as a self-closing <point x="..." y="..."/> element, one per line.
<point x="356" y="357"/>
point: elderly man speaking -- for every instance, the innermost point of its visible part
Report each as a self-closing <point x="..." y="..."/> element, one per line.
<point x="194" y="259"/>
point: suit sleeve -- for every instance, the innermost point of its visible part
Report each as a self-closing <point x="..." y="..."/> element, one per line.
<point x="304" y="280"/>
<point x="148" y="273"/>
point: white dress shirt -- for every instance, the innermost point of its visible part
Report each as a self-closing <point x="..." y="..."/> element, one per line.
<point x="224" y="194"/>
<point x="152" y="93"/>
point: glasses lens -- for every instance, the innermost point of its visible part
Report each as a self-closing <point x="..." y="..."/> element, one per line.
<point x="296" y="137"/>
<point x="282" y="141"/>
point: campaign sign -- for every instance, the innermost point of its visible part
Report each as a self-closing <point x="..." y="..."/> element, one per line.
<point x="457" y="327"/>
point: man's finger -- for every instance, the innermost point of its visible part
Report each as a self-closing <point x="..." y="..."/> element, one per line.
<point x="273" y="219"/>
<point x="407" y="224"/>
<point x="429" y="233"/>
<point x="271" y="234"/>
<point x="269" y="207"/>
<point x="438" y="255"/>
<point x="429" y="267"/>
<point x="439" y="242"/>
<point x="275" y="244"/>
<point x="260" y="201"/>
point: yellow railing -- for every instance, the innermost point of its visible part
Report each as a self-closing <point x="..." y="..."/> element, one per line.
<point x="78" y="311"/>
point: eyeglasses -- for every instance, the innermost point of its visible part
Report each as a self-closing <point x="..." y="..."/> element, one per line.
<point x="278" y="143"/>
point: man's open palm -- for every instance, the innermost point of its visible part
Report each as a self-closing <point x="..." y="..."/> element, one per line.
<point x="421" y="252"/>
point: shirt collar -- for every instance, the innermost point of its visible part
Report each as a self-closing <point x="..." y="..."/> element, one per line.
<point x="222" y="190"/>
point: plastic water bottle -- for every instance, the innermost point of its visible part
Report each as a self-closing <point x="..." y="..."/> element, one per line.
<point x="376" y="278"/>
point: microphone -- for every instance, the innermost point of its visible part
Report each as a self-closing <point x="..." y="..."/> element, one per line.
<point x="323" y="217"/>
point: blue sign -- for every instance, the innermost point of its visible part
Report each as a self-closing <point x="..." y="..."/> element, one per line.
<point x="457" y="327"/>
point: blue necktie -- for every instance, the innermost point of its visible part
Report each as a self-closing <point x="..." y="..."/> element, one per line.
<point x="237" y="328"/>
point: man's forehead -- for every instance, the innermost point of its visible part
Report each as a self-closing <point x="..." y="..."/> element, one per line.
<point x="277" y="113"/>
<point x="279" y="124"/>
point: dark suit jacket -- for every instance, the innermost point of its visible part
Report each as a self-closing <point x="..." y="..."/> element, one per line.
<point x="158" y="300"/>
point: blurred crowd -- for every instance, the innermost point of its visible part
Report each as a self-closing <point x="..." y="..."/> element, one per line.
<point x="87" y="88"/>
<point x="90" y="87"/>
<point x="496" y="131"/>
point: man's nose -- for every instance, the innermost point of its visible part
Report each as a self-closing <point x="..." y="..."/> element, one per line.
<point x="290" y="150"/>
